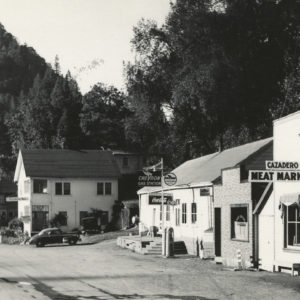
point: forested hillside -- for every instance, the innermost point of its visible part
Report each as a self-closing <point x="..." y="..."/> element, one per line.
<point x="213" y="76"/>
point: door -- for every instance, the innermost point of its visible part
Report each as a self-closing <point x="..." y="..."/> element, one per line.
<point x="266" y="242"/>
<point x="39" y="220"/>
<point x="218" y="231"/>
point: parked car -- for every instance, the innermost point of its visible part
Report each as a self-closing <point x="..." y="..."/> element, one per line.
<point x="54" y="236"/>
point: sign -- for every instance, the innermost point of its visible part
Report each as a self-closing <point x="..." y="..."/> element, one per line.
<point x="205" y="191"/>
<point x="281" y="165"/>
<point x="14" y="199"/>
<point x="40" y="208"/>
<point x="149" y="179"/>
<point x="270" y="176"/>
<point x="155" y="199"/>
<point x="170" y="179"/>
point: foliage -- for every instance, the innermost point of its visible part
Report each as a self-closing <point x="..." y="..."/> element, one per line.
<point x="223" y="70"/>
<point x="102" y="117"/>
<point x="58" y="220"/>
<point x="16" y="224"/>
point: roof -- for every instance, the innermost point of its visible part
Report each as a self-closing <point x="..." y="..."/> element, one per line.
<point x="208" y="168"/>
<point x="61" y="163"/>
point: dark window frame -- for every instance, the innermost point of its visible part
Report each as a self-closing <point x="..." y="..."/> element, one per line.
<point x="62" y="188"/>
<point x="194" y="212"/>
<point x="291" y="221"/>
<point x="183" y="213"/>
<point x="38" y="188"/>
<point x="233" y="234"/>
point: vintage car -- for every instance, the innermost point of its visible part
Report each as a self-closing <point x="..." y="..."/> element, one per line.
<point x="54" y="236"/>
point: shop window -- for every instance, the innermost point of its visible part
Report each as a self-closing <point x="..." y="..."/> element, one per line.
<point x="62" y="188"/>
<point x="239" y="222"/>
<point x="177" y="216"/>
<point x="39" y="186"/>
<point x="292" y="225"/>
<point x="194" y="213"/>
<point x="63" y="220"/>
<point x="183" y="213"/>
<point x="168" y="212"/>
<point x="104" y="188"/>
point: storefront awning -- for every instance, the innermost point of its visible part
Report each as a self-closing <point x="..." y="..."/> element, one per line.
<point x="290" y="199"/>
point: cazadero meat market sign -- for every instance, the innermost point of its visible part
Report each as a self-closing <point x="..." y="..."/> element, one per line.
<point x="276" y="171"/>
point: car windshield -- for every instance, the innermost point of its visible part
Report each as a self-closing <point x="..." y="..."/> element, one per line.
<point x="44" y="231"/>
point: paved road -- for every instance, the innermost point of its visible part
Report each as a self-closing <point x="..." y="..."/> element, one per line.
<point x="104" y="271"/>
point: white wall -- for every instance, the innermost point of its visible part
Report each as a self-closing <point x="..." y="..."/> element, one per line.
<point x="83" y="198"/>
<point x="266" y="235"/>
<point x="188" y="232"/>
<point x="286" y="148"/>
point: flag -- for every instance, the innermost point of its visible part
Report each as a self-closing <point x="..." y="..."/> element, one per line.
<point x="154" y="168"/>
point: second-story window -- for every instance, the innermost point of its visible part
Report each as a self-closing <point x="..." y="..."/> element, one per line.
<point x="39" y="186"/>
<point x="104" y="188"/>
<point x="125" y="161"/>
<point x="62" y="188"/>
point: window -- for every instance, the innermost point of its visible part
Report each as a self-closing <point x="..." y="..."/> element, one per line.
<point x="100" y="188"/>
<point x="107" y="188"/>
<point x="239" y="222"/>
<point x="177" y="215"/>
<point x="62" y="188"/>
<point x="63" y="218"/>
<point x="160" y="213"/>
<point x="104" y="188"/>
<point x="183" y="213"/>
<point x="292" y="225"/>
<point x="125" y="161"/>
<point x="82" y="214"/>
<point x="67" y="188"/>
<point x="194" y="212"/>
<point x="39" y="186"/>
<point x="168" y="212"/>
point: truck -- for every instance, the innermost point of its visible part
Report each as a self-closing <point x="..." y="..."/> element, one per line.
<point x="54" y="236"/>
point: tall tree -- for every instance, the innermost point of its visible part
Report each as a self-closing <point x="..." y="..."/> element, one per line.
<point x="102" y="117"/>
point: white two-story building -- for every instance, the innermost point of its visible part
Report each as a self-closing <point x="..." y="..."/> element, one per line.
<point x="69" y="182"/>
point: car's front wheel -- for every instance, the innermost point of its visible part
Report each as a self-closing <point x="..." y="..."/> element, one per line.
<point x="40" y="244"/>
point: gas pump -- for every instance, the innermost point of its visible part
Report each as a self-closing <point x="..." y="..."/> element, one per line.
<point x="170" y="242"/>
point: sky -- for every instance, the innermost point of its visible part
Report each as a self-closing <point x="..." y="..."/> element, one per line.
<point x="90" y="37"/>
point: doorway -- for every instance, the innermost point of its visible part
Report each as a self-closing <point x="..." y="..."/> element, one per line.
<point x="218" y="231"/>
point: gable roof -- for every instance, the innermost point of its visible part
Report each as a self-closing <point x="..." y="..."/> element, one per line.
<point x="61" y="163"/>
<point x="208" y="168"/>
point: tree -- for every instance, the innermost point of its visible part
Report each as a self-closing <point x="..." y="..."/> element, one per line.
<point x="102" y="117"/>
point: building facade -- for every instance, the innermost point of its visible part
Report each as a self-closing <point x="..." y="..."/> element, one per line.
<point x="72" y="183"/>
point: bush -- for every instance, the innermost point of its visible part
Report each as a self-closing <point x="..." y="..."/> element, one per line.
<point x="16" y="224"/>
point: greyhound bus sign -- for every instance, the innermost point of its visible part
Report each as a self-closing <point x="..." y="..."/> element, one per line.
<point x="276" y="171"/>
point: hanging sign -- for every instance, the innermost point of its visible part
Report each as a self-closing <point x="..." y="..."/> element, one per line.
<point x="149" y="179"/>
<point x="170" y="179"/>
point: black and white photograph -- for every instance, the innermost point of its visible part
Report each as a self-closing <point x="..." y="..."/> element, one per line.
<point x="149" y="149"/>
